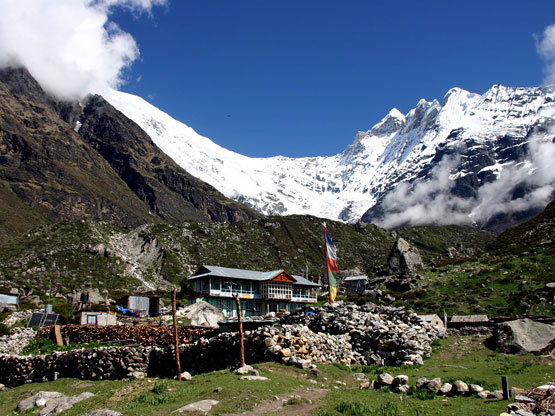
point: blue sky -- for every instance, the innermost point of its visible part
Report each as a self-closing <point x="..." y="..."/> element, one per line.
<point x="300" y="78"/>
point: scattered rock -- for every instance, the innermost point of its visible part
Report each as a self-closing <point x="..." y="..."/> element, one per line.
<point x="103" y="412"/>
<point x="421" y="382"/>
<point x="401" y="380"/>
<point x="461" y="387"/>
<point x="445" y="388"/>
<point x="474" y="388"/>
<point x="433" y="385"/>
<point x="186" y="376"/>
<point x="40" y="397"/>
<point x="253" y="378"/>
<point x="385" y="379"/>
<point x="203" y="406"/>
<point x="58" y="405"/>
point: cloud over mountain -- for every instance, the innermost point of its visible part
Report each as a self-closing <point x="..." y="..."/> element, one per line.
<point x="70" y="46"/>
<point x="545" y="45"/>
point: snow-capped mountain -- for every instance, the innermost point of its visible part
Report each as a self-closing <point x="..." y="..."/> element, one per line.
<point x="444" y="153"/>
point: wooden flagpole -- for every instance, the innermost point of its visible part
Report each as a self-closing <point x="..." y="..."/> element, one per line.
<point x="241" y="336"/>
<point x="175" y="340"/>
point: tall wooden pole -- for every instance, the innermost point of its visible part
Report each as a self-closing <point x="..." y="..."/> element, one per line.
<point x="241" y="337"/>
<point x="175" y="340"/>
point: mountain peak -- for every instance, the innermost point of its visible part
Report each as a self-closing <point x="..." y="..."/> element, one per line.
<point x="392" y="122"/>
<point x="400" y="148"/>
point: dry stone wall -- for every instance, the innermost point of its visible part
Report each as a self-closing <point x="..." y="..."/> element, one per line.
<point x="333" y="333"/>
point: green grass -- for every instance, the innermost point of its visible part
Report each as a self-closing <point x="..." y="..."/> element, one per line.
<point x="454" y="358"/>
<point x="504" y="284"/>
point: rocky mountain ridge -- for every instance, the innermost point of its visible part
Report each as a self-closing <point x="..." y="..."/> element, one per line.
<point x="71" y="161"/>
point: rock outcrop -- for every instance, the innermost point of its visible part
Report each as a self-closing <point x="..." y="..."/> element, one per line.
<point x="404" y="258"/>
<point x="524" y="336"/>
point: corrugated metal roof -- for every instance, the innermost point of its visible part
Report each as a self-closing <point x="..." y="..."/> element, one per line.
<point x="469" y="318"/>
<point x="352" y="278"/>
<point x="305" y="282"/>
<point x="230" y="273"/>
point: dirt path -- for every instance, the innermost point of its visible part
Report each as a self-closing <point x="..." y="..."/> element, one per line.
<point x="309" y="397"/>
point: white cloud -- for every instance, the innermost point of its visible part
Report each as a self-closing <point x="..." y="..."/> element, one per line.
<point x="431" y="201"/>
<point x="70" y="46"/>
<point x="545" y="45"/>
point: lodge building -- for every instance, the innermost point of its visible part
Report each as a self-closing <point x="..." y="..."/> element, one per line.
<point x="260" y="292"/>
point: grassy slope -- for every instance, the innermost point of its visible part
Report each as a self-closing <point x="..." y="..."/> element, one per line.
<point x="509" y="279"/>
<point x="471" y="359"/>
<point x="496" y="284"/>
<point x="56" y="254"/>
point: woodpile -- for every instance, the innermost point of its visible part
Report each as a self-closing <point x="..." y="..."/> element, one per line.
<point x="141" y="335"/>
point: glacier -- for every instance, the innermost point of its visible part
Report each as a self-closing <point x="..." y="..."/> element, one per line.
<point x="401" y="148"/>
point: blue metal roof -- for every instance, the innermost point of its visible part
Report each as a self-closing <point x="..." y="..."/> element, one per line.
<point x="229" y="273"/>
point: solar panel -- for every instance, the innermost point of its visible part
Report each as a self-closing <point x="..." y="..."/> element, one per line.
<point x="35" y="320"/>
<point x="51" y="319"/>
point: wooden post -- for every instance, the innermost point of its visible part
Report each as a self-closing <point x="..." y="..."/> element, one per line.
<point x="176" y="342"/>
<point x="58" y="335"/>
<point x="241" y="337"/>
<point x="505" y="387"/>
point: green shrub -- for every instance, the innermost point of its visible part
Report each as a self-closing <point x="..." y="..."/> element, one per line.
<point x="353" y="408"/>
<point x="387" y="409"/>
<point x="148" y="398"/>
<point x="160" y="388"/>
<point x="4" y="330"/>
<point x="422" y="394"/>
<point x="342" y="366"/>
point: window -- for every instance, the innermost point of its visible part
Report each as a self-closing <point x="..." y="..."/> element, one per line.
<point x="255" y="288"/>
<point x="215" y="284"/>
<point x="92" y="319"/>
<point x="277" y="290"/>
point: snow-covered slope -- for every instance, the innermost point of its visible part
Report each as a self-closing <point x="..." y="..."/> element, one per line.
<point x="464" y="137"/>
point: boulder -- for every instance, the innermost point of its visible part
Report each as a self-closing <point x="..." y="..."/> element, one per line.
<point x="103" y="412"/>
<point x="58" y="405"/>
<point x="40" y="397"/>
<point x="433" y="385"/>
<point x="385" y="379"/>
<point x="401" y="380"/>
<point x="461" y="387"/>
<point x="254" y="378"/>
<point x="421" y="382"/>
<point x="245" y="370"/>
<point x="202" y="313"/>
<point x="404" y="258"/>
<point x="524" y="336"/>
<point x="445" y="388"/>
<point x="7" y="307"/>
<point x="202" y="406"/>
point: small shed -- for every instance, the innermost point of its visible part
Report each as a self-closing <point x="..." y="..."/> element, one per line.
<point x="355" y="284"/>
<point x="141" y="305"/>
<point x="433" y="319"/>
<point x="9" y="302"/>
<point x="95" y="318"/>
<point x="461" y="321"/>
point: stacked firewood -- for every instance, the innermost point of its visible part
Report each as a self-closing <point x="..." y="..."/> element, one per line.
<point x="142" y="335"/>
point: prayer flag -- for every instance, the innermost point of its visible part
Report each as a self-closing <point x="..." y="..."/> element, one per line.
<point x="333" y="270"/>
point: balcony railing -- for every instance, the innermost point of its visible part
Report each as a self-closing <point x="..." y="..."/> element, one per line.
<point x="304" y="299"/>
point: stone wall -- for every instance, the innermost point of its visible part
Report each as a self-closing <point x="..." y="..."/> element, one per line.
<point x="339" y="332"/>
